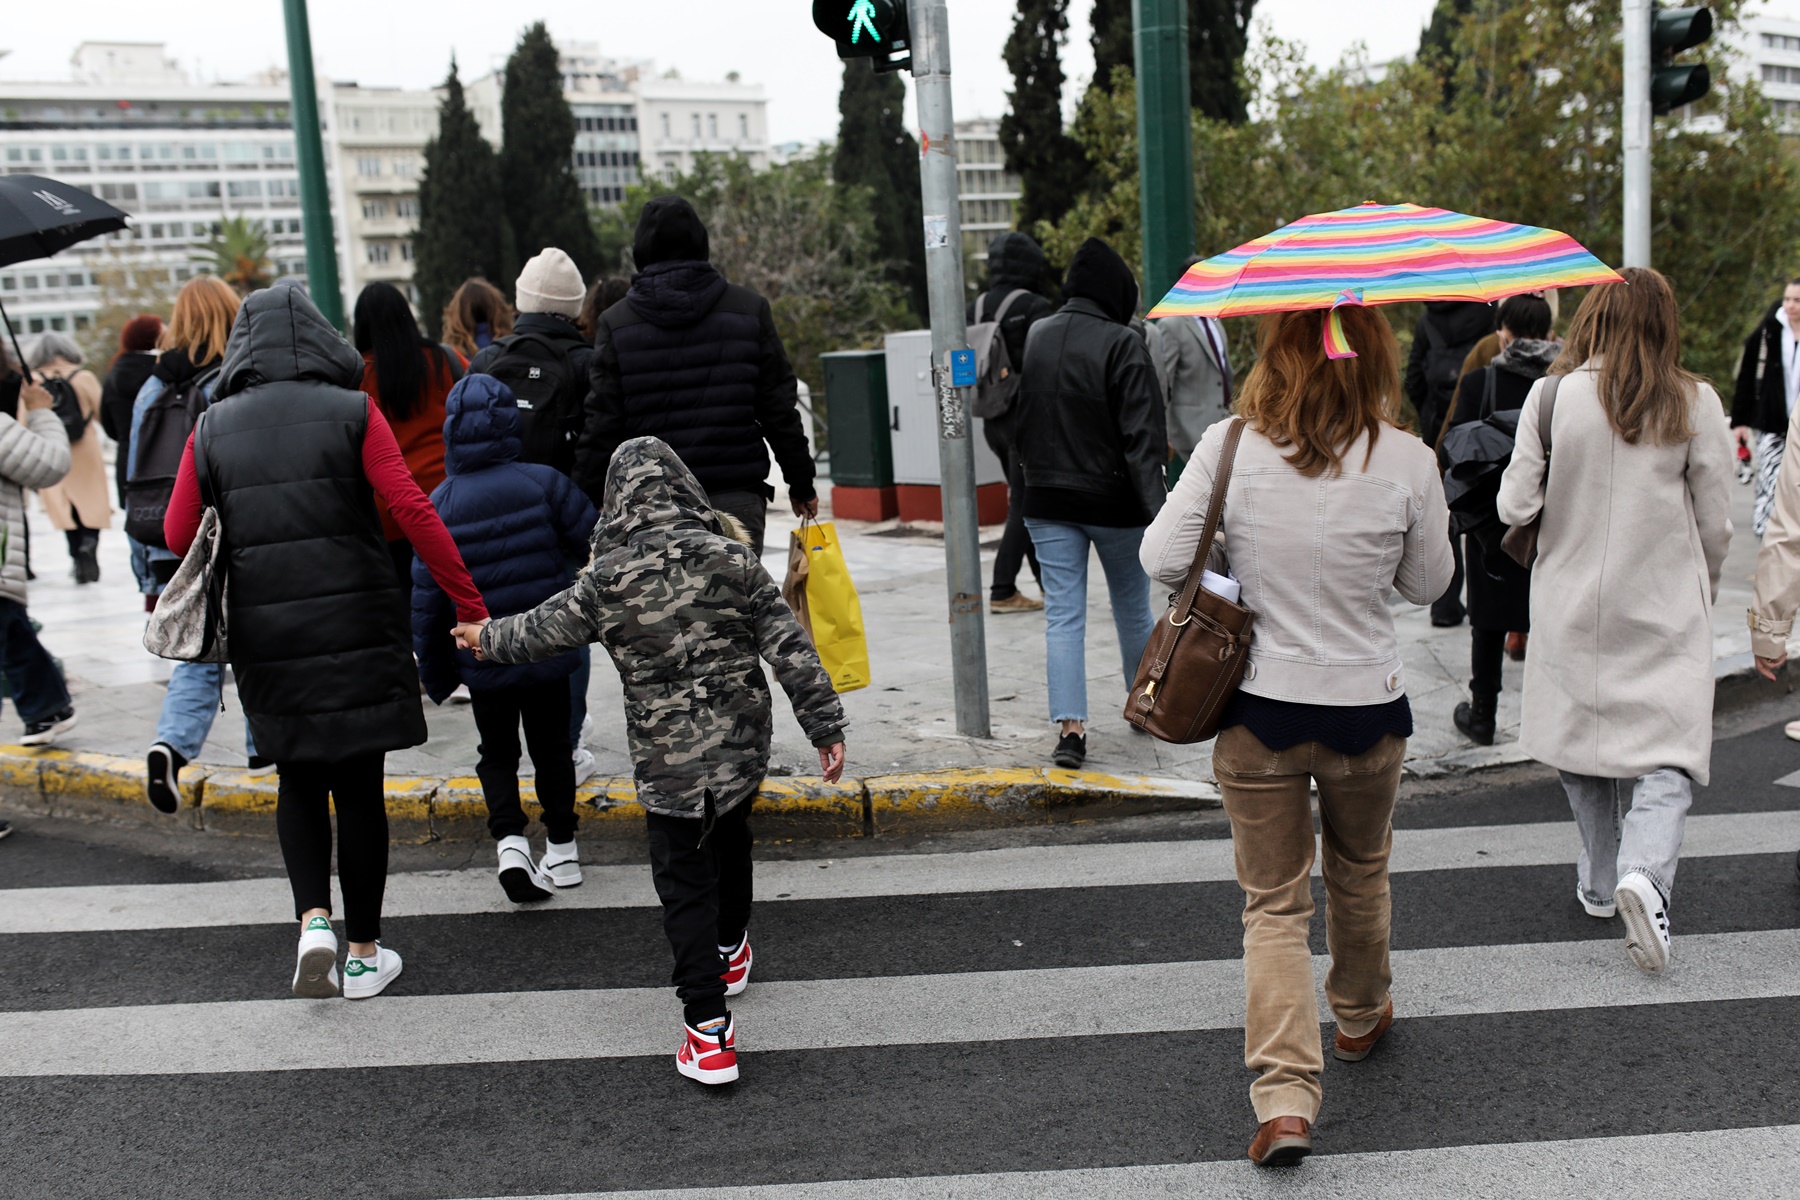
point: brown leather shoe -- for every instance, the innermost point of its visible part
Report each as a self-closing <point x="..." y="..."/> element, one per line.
<point x="1281" y="1142"/>
<point x="1349" y="1049"/>
<point x="1017" y="602"/>
<point x="1515" y="646"/>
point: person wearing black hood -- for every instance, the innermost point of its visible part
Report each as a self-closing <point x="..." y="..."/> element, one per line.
<point x="1446" y="332"/>
<point x="695" y="360"/>
<point x="1015" y="269"/>
<point x="1092" y="447"/>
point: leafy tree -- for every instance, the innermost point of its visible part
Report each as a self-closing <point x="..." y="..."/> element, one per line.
<point x="1218" y="34"/>
<point x="127" y="288"/>
<point x="238" y="253"/>
<point x="537" y="138"/>
<point x="463" y="229"/>
<point x="1051" y="165"/>
<point x="875" y="151"/>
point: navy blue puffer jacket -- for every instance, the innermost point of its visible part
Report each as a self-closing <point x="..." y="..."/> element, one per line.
<point x="518" y="525"/>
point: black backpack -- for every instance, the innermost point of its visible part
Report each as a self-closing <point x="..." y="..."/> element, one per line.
<point x="162" y="437"/>
<point x="65" y="402"/>
<point x="550" y="391"/>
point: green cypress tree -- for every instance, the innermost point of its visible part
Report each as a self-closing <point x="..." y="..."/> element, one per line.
<point x="1050" y="164"/>
<point x="1110" y="37"/>
<point x="462" y="223"/>
<point x="537" y="150"/>
<point x="1218" y="34"/>
<point x="874" y="150"/>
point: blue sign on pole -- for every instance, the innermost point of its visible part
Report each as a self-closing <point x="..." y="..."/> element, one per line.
<point x="962" y="368"/>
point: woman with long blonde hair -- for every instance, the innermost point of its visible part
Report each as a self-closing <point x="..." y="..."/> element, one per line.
<point x="1633" y="490"/>
<point x="1331" y="507"/>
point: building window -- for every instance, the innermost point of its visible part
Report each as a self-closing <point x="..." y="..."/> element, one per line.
<point x="369" y="167"/>
<point x="374" y="210"/>
<point x="1774" y="74"/>
<point x="1781" y="41"/>
<point x="696" y="120"/>
<point x="407" y="207"/>
<point x="406" y="251"/>
<point x="712" y="126"/>
<point x="377" y="252"/>
<point x="406" y="168"/>
<point x="242" y="188"/>
<point x="665" y="128"/>
<point x="744" y="127"/>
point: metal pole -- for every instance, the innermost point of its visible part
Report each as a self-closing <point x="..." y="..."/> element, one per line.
<point x="1636" y="140"/>
<point x="930" y="22"/>
<point x="315" y="202"/>
<point x="1165" y="141"/>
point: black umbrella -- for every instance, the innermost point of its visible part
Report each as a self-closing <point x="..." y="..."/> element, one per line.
<point x="39" y="217"/>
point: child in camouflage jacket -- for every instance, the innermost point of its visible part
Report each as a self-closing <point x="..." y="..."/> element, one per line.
<point x="687" y="612"/>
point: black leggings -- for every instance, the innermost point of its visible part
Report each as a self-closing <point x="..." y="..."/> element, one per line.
<point x="705" y="892"/>
<point x="1487" y="647"/>
<point x="303" y="823"/>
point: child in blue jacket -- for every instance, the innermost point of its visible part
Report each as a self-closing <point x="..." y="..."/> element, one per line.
<point x="518" y="526"/>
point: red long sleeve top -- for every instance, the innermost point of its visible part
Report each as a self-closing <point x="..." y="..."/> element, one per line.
<point x="387" y="473"/>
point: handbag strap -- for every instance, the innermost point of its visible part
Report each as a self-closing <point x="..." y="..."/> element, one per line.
<point x="1190" y="591"/>
<point x="202" y="472"/>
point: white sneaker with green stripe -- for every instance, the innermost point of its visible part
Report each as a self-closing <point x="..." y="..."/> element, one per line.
<point x="365" y="977"/>
<point x="316" y="975"/>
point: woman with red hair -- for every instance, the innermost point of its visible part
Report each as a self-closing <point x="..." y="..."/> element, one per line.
<point x="131" y="366"/>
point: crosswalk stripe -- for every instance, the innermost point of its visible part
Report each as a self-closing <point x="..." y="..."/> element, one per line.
<point x="445" y="893"/>
<point x="275" y="1035"/>
<point x="1726" y="1164"/>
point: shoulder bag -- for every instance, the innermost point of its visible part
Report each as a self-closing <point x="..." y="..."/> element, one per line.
<point x="189" y="621"/>
<point x="1521" y="541"/>
<point x="1195" y="658"/>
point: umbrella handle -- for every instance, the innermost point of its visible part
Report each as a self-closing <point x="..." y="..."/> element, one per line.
<point x="1337" y="344"/>
<point x="17" y="353"/>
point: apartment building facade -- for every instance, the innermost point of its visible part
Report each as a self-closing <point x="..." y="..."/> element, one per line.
<point x="988" y="193"/>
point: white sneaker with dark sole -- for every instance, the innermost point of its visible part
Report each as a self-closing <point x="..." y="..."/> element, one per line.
<point x="1603" y="911"/>
<point x="315" y="974"/>
<point x="162" y="777"/>
<point x="365" y="977"/>
<point x="560" y="864"/>
<point x="586" y="765"/>
<point x="1646" y="920"/>
<point x="519" y="875"/>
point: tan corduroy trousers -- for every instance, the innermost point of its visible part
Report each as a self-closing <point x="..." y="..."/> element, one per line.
<point x="1266" y="797"/>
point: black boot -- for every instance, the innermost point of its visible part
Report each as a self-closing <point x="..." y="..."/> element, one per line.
<point x="1475" y="717"/>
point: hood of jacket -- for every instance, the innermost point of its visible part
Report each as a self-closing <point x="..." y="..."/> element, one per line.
<point x="1460" y="321"/>
<point x="1097" y="273"/>
<point x="481" y="425"/>
<point x="669" y="230"/>
<point x="649" y="487"/>
<point x="1529" y="357"/>
<point x="279" y="336"/>
<point x="1015" y="260"/>
<point x="677" y="294"/>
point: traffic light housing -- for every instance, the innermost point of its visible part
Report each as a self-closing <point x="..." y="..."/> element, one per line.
<point x="872" y="29"/>
<point x="1672" y="30"/>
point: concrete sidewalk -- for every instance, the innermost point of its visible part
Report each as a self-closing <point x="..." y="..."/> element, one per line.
<point x="907" y="765"/>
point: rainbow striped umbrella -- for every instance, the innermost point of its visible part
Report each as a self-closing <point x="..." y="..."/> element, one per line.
<point x="1380" y="254"/>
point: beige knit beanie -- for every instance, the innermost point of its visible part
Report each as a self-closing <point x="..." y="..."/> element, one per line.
<point x="551" y="284"/>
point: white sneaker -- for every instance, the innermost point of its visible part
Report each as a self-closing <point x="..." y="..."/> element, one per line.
<point x="1646" y="922"/>
<point x="560" y="864"/>
<point x="1603" y="911"/>
<point x="519" y="875"/>
<point x="365" y="977"/>
<point x="586" y="765"/>
<point x="460" y="695"/>
<point x="315" y="974"/>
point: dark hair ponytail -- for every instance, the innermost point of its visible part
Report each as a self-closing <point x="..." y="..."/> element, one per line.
<point x="385" y="327"/>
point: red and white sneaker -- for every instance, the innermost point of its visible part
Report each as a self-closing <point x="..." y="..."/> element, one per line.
<point x="737" y="969"/>
<point x="710" y="1054"/>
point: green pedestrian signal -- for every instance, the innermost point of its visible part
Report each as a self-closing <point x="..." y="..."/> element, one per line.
<point x="1675" y="85"/>
<point x="872" y="29"/>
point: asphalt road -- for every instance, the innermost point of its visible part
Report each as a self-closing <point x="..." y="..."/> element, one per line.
<point x="1052" y="1012"/>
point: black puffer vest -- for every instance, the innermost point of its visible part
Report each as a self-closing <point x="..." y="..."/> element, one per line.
<point x="319" y="638"/>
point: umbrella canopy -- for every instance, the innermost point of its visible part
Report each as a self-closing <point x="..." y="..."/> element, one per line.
<point x="1381" y="254"/>
<point x="40" y="216"/>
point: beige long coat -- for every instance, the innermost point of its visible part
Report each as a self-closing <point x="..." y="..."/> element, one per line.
<point x="1619" y="681"/>
<point x="85" y="487"/>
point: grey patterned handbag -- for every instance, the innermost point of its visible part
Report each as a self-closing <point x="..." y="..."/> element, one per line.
<point x="189" y="621"/>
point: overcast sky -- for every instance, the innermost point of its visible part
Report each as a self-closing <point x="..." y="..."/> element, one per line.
<point x="772" y="42"/>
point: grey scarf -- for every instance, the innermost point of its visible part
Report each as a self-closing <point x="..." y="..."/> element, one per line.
<point x="1529" y="357"/>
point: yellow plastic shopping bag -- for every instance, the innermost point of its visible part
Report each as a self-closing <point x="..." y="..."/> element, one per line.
<point x="819" y="590"/>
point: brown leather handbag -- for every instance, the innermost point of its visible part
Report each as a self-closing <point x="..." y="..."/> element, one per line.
<point x="1196" y="654"/>
<point x="1520" y="542"/>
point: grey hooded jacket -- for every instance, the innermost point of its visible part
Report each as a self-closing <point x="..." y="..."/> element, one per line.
<point x="34" y="453"/>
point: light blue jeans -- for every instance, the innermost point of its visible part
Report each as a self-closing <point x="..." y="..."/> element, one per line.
<point x="1629" y="825"/>
<point x="188" y="710"/>
<point x="1062" y="553"/>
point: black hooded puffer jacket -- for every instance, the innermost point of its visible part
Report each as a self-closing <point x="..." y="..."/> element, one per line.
<point x="695" y="361"/>
<point x="1091" y="431"/>
<point x="319" y="640"/>
<point x="1014" y="261"/>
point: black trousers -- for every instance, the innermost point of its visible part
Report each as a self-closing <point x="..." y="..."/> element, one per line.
<point x="303" y="824"/>
<point x="1015" y="543"/>
<point x="544" y="711"/>
<point x="750" y="508"/>
<point x="1487" y="652"/>
<point x="703" y="877"/>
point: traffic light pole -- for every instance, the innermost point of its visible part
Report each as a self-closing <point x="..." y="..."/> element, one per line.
<point x="1635" y="116"/>
<point x="1165" y="141"/>
<point x="930" y="21"/>
<point x="309" y="153"/>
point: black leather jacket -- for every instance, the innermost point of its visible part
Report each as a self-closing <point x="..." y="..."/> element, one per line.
<point x="1090" y="414"/>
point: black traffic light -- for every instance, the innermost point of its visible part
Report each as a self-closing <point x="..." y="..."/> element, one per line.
<point x="1672" y="30"/>
<point x="873" y="29"/>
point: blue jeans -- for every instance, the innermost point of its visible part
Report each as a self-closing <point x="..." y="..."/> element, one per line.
<point x="1062" y="553"/>
<point x="578" y="686"/>
<point x="195" y="693"/>
<point x="35" y="684"/>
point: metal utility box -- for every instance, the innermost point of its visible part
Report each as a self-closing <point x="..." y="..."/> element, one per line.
<point x="857" y="415"/>
<point x="913" y="417"/>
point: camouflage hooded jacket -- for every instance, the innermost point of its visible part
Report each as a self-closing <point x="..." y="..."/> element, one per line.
<point x="685" y="611"/>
